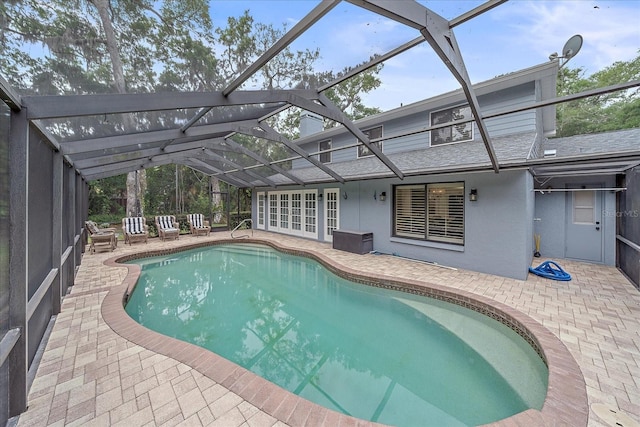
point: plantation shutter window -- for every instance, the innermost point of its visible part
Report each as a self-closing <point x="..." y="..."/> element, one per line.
<point x="433" y="212"/>
<point x="445" y="212"/>
<point x="410" y="211"/>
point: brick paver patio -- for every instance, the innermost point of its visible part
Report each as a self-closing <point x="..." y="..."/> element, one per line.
<point x="91" y="375"/>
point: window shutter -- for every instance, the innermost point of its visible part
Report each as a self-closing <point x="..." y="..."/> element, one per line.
<point x="445" y="214"/>
<point x="410" y="211"/>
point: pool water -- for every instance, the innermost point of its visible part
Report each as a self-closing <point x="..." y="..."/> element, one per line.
<point x="376" y="354"/>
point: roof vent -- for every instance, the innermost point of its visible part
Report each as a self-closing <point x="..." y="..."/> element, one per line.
<point x="549" y="153"/>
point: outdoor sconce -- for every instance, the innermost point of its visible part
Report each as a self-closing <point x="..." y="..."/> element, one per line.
<point x="344" y="195"/>
<point x="383" y="196"/>
<point x="473" y="195"/>
<point x="319" y="197"/>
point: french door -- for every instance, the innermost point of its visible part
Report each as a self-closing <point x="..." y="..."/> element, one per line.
<point x="331" y="213"/>
<point x="294" y="212"/>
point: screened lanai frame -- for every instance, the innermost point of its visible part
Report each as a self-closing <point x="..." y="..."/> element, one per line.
<point x="199" y="129"/>
<point x="50" y="164"/>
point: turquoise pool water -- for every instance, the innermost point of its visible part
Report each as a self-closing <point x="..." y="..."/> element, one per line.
<point x="375" y="354"/>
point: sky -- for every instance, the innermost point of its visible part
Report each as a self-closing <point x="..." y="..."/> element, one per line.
<point x="515" y="35"/>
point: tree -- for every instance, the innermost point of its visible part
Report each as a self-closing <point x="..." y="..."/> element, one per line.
<point x="105" y="195"/>
<point x="136" y="181"/>
<point x="137" y="46"/>
<point x="347" y="96"/>
<point x="98" y="46"/>
<point x="606" y="112"/>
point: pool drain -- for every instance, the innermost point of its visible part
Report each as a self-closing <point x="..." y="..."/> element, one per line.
<point x="613" y="416"/>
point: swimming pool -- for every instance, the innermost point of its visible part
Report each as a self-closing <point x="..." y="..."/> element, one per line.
<point x="376" y="354"/>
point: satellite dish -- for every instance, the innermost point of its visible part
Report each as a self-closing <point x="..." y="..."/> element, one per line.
<point x="572" y="47"/>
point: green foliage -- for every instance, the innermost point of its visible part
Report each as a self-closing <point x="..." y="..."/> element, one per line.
<point x="177" y="189"/>
<point x="606" y="112"/>
<point x="113" y="220"/>
<point x="238" y="218"/>
<point x="104" y="197"/>
<point x="161" y="190"/>
<point x="347" y="96"/>
<point x="159" y="46"/>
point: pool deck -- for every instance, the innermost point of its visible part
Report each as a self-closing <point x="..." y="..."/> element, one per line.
<point x="89" y="374"/>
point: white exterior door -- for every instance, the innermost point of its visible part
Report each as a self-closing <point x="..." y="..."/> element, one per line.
<point x="260" y="224"/>
<point x="293" y="212"/>
<point x="310" y="215"/>
<point x="285" y="213"/>
<point x="584" y="225"/>
<point x="273" y="211"/>
<point x="331" y="213"/>
<point x="296" y="213"/>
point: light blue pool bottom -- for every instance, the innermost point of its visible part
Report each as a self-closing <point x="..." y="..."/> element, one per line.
<point x="372" y="353"/>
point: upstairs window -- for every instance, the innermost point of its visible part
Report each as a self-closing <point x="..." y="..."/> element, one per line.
<point x="454" y="133"/>
<point x="373" y="133"/>
<point x="322" y="146"/>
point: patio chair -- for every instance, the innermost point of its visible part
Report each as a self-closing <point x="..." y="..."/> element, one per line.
<point x="135" y="229"/>
<point x="100" y="237"/>
<point x="168" y="227"/>
<point x="198" y="225"/>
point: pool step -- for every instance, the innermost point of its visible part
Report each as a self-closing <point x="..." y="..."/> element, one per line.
<point x="506" y="353"/>
<point x="249" y="249"/>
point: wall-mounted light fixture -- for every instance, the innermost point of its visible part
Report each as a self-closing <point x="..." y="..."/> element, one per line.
<point x="344" y="195"/>
<point x="319" y="197"/>
<point x="375" y="195"/>
<point x="383" y="196"/>
<point x="473" y="195"/>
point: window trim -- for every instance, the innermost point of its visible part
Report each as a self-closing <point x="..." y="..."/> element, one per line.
<point x="423" y="217"/>
<point x="361" y="147"/>
<point x="431" y="144"/>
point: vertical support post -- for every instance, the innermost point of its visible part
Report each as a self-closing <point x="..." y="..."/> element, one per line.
<point x="210" y="188"/>
<point x="18" y="258"/>
<point x="177" y="191"/>
<point x="76" y="224"/>
<point x="57" y="250"/>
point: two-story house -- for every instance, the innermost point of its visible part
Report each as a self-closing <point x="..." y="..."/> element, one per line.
<point x="450" y="207"/>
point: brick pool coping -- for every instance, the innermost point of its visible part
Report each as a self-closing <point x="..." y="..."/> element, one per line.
<point x="565" y="403"/>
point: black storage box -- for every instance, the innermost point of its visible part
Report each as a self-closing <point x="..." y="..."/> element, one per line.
<point x="357" y="242"/>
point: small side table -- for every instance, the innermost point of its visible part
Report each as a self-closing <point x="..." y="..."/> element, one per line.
<point x="103" y="239"/>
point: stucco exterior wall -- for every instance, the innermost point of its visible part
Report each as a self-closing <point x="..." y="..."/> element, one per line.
<point x="552" y="209"/>
<point x="498" y="226"/>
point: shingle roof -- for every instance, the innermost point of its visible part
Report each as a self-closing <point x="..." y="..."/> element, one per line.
<point x="513" y="150"/>
<point x="596" y="143"/>
<point x="450" y="157"/>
